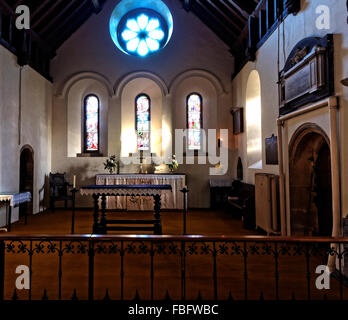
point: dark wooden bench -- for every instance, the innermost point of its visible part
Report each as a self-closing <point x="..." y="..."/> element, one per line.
<point x="241" y="202"/>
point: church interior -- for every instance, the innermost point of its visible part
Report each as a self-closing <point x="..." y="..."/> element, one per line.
<point x="173" y="149"/>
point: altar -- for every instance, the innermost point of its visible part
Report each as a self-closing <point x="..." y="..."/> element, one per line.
<point x="100" y="192"/>
<point x="13" y="200"/>
<point x="170" y="200"/>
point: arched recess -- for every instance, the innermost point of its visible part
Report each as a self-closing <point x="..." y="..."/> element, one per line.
<point x="122" y="83"/>
<point x="212" y="78"/>
<point x="75" y="116"/>
<point x="130" y="92"/>
<point x="254" y="121"/>
<point x="208" y="94"/>
<point x="26" y="178"/>
<point x="310" y="182"/>
<point x="63" y="91"/>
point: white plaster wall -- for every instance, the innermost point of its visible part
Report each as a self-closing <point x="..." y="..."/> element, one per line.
<point x="35" y="126"/>
<point x="193" y="46"/>
<point x="289" y="33"/>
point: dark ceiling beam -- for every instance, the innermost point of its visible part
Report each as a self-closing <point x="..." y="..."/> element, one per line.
<point x="240" y="10"/>
<point x="97" y="6"/>
<point x="38" y="9"/>
<point x="58" y="16"/>
<point x="236" y="13"/>
<point x="218" y="28"/>
<point x="214" y="21"/>
<point x="62" y="29"/>
<point x="44" y="16"/>
<point x="218" y="11"/>
<point x="7" y="7"/>
<point x="187" y="5"/>
<point x="18" y="3"/>
<point x="73" y="26"/>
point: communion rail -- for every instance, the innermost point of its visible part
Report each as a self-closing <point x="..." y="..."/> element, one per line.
<point x="219" y="263"/>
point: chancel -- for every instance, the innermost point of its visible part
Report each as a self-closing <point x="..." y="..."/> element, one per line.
<point x="174" y="149"/>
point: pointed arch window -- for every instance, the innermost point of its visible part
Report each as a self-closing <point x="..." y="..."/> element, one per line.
<point x="91" y="123"/>
<point x="194" y="105"/>
<point x="143" y="121"/>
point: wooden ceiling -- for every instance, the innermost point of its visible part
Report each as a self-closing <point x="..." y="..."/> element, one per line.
<point x="242" y="24"/>
<point x="54" y="21"/>
<point x="227" y="18"/>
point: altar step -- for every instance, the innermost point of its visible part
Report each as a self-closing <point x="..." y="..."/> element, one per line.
<point x="131" y="221"/>
<point x="116" y="225"/>
<point x="130" y="228"/>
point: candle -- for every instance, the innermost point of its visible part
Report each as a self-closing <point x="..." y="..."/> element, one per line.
<point x="74" y="183"/>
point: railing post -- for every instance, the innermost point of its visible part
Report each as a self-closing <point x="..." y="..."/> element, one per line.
<point x="183" y="270"/>
<point x="122" y="270"/>
<point x="103" y="221"/>
<point x="245" y="256"/>
<point x="185" y="192"/>
<point x="215" y="272"/>
<point x="2" y="269"/>
<point x="96" y="214"/>
<point x="73" y="191"/>
<point x="91" y="270"/>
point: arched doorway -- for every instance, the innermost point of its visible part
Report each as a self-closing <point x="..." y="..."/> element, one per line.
<point x="26" y="180"/>
<point x="310" y="182"/>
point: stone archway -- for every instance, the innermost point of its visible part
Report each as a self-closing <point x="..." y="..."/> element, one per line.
<point x="310" y="182"/>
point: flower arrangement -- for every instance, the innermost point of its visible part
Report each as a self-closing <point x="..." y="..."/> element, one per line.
<point x="112" y="164"/>
<point x="174" y="165"/>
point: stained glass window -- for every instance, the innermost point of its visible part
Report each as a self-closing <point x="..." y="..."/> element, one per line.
<point x="143" y="125"/>
<point x="194" y="121"/>
<point x="91" y="123"/>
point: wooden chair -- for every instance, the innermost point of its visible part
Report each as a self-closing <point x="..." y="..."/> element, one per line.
<point x="59" y="189"/>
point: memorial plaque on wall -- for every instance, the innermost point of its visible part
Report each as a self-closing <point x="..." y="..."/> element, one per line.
<point x="238" y="121"/>
<point x="308" y="74"/>
<point x="272" y="150"/>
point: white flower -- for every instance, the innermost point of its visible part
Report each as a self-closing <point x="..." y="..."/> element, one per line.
<point x="142" y="34"/>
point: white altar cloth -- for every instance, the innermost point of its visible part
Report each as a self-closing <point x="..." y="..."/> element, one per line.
<point x="169" y="200"/>
<point x="15" y="198"/>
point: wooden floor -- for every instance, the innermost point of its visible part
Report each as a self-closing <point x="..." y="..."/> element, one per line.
<point x="201" y="222"/>
<point x="260" y="268"/>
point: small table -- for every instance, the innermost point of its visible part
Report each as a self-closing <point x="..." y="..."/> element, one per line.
<point x="13" y="200"/>
<point x="100" y="226"/>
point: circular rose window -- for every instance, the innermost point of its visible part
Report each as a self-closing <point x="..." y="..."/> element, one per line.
<point x="141" y="31"/>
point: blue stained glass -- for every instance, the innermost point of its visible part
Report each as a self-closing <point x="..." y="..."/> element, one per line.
<point x="91" y="124"/>
<point x="143" y="34"/>
<point x="143" y="124"/>
<point x="194" y="119"/>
